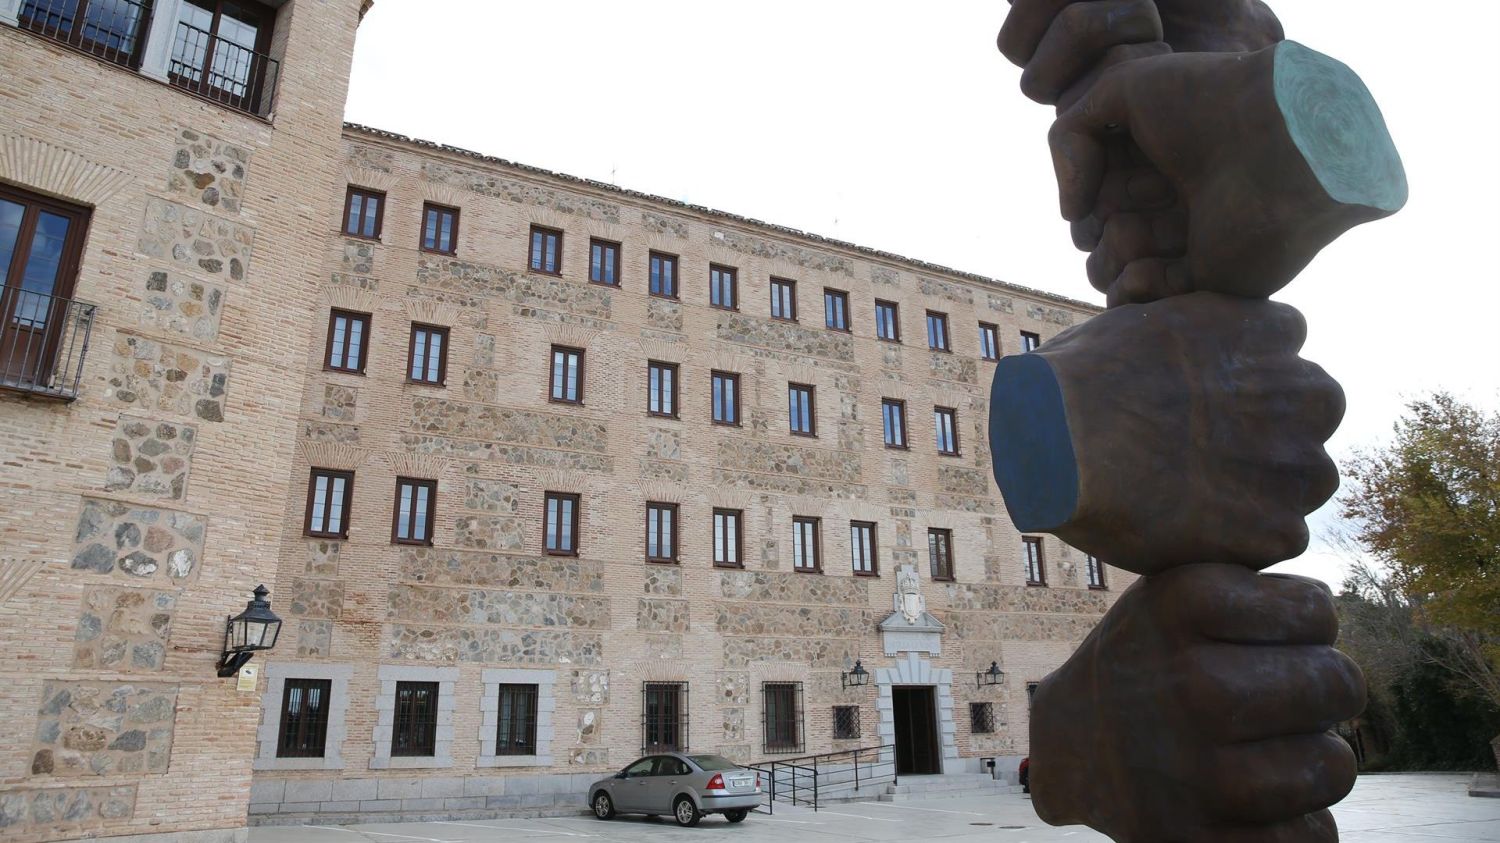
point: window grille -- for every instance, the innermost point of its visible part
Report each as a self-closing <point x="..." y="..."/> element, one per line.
<point x="109" y="29"/>
<point x="664" y="717"/>
<point x="304" y="718"/>
<point x="846" y="726"/>
<point x="982" y="718"/>
<point x="414" y="732"/>
<point x="516" y="734"/>
<point x="783" y="717"/>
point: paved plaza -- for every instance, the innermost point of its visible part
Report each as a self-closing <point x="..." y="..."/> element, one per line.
<point x="1382" y="809"/>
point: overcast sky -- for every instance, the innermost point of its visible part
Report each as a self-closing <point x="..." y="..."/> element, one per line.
<point x="898" y="125"/>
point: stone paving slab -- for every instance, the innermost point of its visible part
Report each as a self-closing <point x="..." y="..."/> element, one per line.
<point x="1382" y="809"/>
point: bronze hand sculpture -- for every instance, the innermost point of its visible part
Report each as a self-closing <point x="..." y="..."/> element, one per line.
<point x="1203" y="162"/>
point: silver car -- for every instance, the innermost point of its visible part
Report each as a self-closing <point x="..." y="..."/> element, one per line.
<point x="686" y="786"/>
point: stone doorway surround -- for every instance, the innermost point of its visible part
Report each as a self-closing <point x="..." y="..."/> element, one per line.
<point x="912" y="669"/>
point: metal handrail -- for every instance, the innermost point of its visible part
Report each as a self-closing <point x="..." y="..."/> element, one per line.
<point x="826" y="766"/>
<point x="109" y="29"/>
<point x="43" y="342"/>
<point x="223" y="71"/>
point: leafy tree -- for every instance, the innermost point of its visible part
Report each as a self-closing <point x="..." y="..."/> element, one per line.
<point x="1426" y="506"/>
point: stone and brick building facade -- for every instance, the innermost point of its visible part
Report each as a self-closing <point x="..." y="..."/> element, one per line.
<point x="540" y="472"/>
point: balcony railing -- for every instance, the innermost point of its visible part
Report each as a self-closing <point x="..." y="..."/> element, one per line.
<point x="109" y="29"/>
<point x="43" y="342"/>
<point x="223" y="71"/>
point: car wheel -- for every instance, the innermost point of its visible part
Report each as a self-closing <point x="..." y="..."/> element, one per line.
<point x="736" y="816"/>
<point x="604" y="807"/>
<point x="686" y="812"/>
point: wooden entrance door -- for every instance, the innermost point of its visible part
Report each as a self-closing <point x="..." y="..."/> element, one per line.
<point x="917" y="749"/>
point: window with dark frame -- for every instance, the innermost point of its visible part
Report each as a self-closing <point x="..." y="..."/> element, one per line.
<point x="348" y="338"/>
<point x="364" y="213"/>
<point x="43" y="242"/>
<point x="729" y="538"/>
<point x="304" y="718"/>
<point x="661" y="532"/>
<point x="1036" y="566"/>
<point x="604" y="262"/>
<point x="221" y="51"/>
<point x="940" y="554"/>
<point x="945" y="422"/>
<point x="807" y="544"/>
<point x="107" y="29"/>
<point x="661" y="389"/>
<point x="664" y="717"/>
<point x="723" y="287"/>
<point x="802" y="409"/>
<point x="516" y="732"/>
<point x="663" y="275"/>
<point x="567" y="375"/>
<point x="439" y="229"/>
<point x="887" y="321"/>
<point x="783" y="716"/>
<point x="330" y="493"/>
<point x="1095" y="572"/>
<point x="1031" y="689"/>
<point x="1030" y="341"/>
<point x="982" y="718"/>
<point x="415" y="510"/>
<point x="937" y="331"/>
<point x="989" y="341"/>
<point x="862" y="548"/>
<point x="414" y="730"/>
<point x="560" y="524"/>
<point x="846" y="726"/>
<point x="836" y="310"/>
<point x="726" y="398"/>
<point x="546" y="250"/>
<point x="893" y="418"/>
<point x="784" y="299"/>
<point x="427" y="357"/>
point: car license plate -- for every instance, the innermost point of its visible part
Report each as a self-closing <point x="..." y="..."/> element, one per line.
<point x="742" y="784"/>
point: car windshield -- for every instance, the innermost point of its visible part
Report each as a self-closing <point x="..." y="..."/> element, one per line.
<point x="713" y="763"/>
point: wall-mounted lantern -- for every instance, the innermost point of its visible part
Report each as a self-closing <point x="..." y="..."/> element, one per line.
<point x="252" y="630"/>
<point x="858" y="677"/>
<point x="990" y="678"/>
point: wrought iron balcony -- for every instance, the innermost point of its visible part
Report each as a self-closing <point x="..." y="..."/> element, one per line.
<point x="223" y="71"/>
<point x="109" y="29"/>
<point x="43" y="342"/>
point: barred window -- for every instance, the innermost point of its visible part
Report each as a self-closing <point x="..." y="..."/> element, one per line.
<point x="1095" y="572"/>
<point x="784" y="299"/>
<point x="937" y="331"/>
<point x="416" y="507"/>
<point x="661" y="389"/>
<point x="1036" y="567"/>
<point x="893" y="415"/>
<point x="414" y="732"/>
<point x="604" y="262"/>
<point x="364" y="213"/>
<point x="329" y="495"/>
<point x="1030" y="341"/>
<point x="427" y="356"/>
<point x="516" y="733"/>
<point x="728" y="538"/>
<point x="783" y="716"/>
<point x="561" y="524"/>
<point x="862" y="548"/>
<point x="982" y="718"/>
<point x="807" y="545"/>
<point x="664" y="717"/>
<point x="439" y="229"/>
<point x="802" y="409"/>
<point x="887" y="321"/>
<point x="723" y="287"/>
<point x="304" y="718"/>
<point x="661" y="532"/>
<point x="836" y="310"/>
<point x="567" y="375"/>
<point x="347" y="338"/>
<point x="846" y="726"/>
<point x="546" y="250"/>
<point x="663" y="275"/>
<point x="989" y="341"/>
<point x="726" y="389"/>
<point x="940" y="552"/>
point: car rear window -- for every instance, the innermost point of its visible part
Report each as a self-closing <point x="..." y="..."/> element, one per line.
<point x="713" y="763"/>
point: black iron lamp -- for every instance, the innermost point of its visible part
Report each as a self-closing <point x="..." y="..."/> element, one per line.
<point x="990" y="678"/>
<point x="858" y="677"/>
<point x="252" y="630"/>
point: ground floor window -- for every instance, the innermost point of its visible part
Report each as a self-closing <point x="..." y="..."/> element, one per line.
<point x="846" y="726"/>
<point x="517" y="731"/>
<point x="664" y="717"/>
<point x="982" y="718"/>
<point x="415" y="729"/>
<point x="783" y="713"/>
<point x="304" y="718"/>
